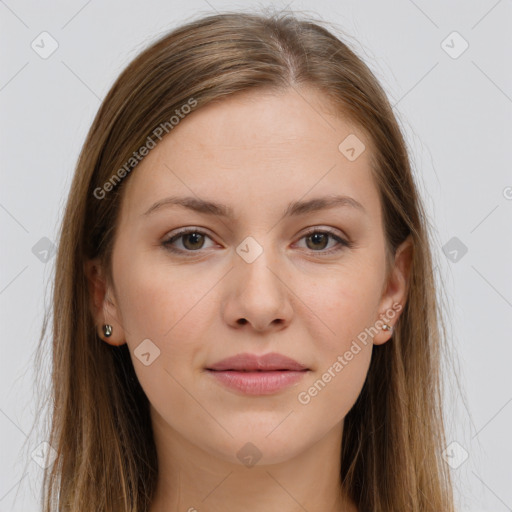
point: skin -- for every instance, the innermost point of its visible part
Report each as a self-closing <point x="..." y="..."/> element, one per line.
<point x="256" y="153"/>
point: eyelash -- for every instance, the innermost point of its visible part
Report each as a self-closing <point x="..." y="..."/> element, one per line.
<point x="342" y="243"/>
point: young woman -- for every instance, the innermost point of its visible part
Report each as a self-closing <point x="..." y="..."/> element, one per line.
<point x="244" y="311"/>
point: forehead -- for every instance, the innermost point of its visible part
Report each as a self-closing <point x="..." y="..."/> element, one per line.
<point x="268" y="148"/>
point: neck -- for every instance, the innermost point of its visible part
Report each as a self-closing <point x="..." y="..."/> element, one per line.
<point x="190" y="479"/>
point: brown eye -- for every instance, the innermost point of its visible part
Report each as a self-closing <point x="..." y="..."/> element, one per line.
<point x="318" y="240"/>
<point x="191" y="240"/>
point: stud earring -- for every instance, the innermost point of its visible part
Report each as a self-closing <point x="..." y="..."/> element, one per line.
<point x="387" y="327"/>
<point x="107" y="330"/>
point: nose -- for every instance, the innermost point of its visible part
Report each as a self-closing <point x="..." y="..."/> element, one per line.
<point x="259" y="294"/>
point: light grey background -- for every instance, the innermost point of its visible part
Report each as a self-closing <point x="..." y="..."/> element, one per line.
<point x="455" y="112"/>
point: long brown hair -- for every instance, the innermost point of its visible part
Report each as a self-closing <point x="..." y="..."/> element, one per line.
<point x="100" y="427"/>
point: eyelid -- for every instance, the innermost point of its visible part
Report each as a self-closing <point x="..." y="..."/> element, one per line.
<point x="342" y="240"/>
<point x="166" y="242"/>
<point x="321" y="229"/>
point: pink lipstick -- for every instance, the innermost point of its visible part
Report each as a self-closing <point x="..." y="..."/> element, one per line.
<point x="258" y="375"/>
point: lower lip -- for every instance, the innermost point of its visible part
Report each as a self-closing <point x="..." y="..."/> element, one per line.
<point x="258" y="383"/>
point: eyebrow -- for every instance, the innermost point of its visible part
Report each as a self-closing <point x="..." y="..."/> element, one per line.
<point x="295" y="208"/>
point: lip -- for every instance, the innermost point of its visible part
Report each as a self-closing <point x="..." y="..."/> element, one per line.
<point x="251" y="362"/>
<point x="258" y="375"/>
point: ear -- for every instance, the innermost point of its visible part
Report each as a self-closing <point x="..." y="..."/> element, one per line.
<point x="102" y="304"/>
<point x="395" y="291"/>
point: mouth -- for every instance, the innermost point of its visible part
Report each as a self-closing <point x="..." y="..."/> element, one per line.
<point x="255" y="363"/>
<point x="251" y="374"/>
<point x="257" y="382"/>
<point x="256" y="371"/>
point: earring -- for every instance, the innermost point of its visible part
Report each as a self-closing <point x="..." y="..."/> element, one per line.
<point x="107" y="330"/>
<point x="387" y="327"/>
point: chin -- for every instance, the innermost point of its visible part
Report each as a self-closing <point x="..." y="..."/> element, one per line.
<point x="253" y="446"/>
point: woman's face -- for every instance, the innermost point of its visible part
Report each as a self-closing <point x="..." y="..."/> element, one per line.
<point x="270" y="276"/>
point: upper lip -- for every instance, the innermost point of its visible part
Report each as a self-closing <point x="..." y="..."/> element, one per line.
<point x="252" y="362"/>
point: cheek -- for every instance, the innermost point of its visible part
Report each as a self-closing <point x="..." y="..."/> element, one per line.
<point x="164" y="304"/>
<point x="340" y="306"/>
<point x="343" y="347"/>
<point x="160" y="301"/>
<point x="171" y="306"/>
<point x="340" y="310"/>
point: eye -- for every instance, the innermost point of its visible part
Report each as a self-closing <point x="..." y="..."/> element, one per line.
<point x="317" y="240"/>
<point x="192" y="240"/>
